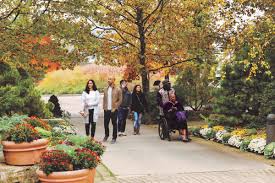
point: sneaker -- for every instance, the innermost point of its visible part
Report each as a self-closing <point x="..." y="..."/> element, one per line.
<point x="113" y="141"/>
<point x="123" y="134"/>
<point x="120" y="134"/>
<point x="105" y="139"/>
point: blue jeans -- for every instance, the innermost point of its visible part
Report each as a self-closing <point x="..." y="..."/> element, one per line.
<point x="137" y="119"/>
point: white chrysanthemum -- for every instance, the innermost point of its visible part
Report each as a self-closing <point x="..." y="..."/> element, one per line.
<point x="235" y="141"/>
<point x="257" y="145"/>
<point x="204" y="131"/>
<point x="220" y="134"/>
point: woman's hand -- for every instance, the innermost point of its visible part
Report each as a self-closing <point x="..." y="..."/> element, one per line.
<point x="82" y="113"/>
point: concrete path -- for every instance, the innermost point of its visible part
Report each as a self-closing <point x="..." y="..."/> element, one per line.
<point x="146" y="158"/>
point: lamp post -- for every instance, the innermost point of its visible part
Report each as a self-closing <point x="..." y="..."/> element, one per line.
<point x="270" y="128"/>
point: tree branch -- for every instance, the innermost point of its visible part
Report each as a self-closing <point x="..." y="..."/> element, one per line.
<point x="160" y="4"/>
<point x="117" y="13"/>
<point x="171" y="65"/>
<point x="9" y="14"/>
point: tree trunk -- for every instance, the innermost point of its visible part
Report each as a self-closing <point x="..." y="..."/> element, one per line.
<point x="142" y="51"/>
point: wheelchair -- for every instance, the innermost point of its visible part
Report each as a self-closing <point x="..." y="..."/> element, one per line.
<point x="166" y="128"/>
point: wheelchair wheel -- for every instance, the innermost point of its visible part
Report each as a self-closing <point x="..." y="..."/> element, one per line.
<point x="164" y="129"/>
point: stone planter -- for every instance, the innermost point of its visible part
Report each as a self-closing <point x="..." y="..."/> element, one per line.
<point x="76" y="176"/>
<point x="26" y="153"/>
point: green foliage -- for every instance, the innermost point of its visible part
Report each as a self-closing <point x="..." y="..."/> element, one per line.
<point x="70" y="150"/>
<point x="23" y="133"/>
<point x="210" y="134"/>
<point x="269" y="150"/>
<point x="7" y="123"/>
<point x="78" y="140"/>
<point x="241" y="100"/>
<point x="220" y="119"/>
<point x="245" y="143"/>
<point x="43" y="133"/>
<point x="251" y="131"/>
<point x="192" y="85"/>
<point x="18" y="94"/>
<point x="225" y="138"/>
<point x="195" y="131"/>
<point x="153" y="113"/>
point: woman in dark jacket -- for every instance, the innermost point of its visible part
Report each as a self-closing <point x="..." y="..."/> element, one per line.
<point x="139" y="105"/>
<point x="174" y="112"/>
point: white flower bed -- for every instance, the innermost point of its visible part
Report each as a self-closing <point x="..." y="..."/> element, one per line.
<point x="220" y="134"/>
<point x="204" y="131"/>
<point x="235" y="141"/>
<point x="257" y="145"/>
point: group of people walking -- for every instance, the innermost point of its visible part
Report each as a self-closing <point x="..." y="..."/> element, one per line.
<point x="117" y="103"/>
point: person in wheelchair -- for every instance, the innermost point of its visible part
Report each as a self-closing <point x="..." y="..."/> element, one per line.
<point x="176" y="117"/>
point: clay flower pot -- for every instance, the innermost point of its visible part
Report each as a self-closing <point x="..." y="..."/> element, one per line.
<point x="91" y="177"/>
<point x="76" y="176"/>
<point x="26" y="153"/>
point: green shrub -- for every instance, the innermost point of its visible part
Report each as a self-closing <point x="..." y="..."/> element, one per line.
<point x="153" y="113"/>
<point x="18" y="94"/>
<point x="43" y="133"/>
<point x="269" y="150"/>
<point x="245" y="143"/>
<point x="252" y="131"/>
<point x="225" y="138"/>
<point x="210" y="134"/>
<point x="242" y="99"/>
<point x="78" y="140"/>
<point x="193" y="85"/>
<point x="70" y="150"/>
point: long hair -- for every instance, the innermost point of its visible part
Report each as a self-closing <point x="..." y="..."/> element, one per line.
<point x="135" y="89"/>
<point x="87" y="89"/>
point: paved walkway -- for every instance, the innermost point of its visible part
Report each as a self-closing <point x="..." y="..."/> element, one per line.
<point x="147" y="159"/>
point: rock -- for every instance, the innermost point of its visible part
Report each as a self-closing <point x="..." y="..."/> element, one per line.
<point x="16" y="174"/>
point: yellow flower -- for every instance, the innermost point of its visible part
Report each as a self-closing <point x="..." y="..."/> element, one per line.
<point x="239" y="132"/>
<point x="204" y="126"/>
<point x="261" y="135"/>
<point x="218" y="128"/>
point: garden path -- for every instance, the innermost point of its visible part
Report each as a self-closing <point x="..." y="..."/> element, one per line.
<point x="146" y="158"/>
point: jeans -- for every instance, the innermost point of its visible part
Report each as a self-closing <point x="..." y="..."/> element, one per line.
<point x="137" y="119"/>
<point x="91" y="123"/>
<point x="109" y="115"/>
<point x="122" y="116"/>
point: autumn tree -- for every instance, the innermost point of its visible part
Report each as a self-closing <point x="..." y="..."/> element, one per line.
<point x="25" y="24"/>
<point x="155" y="34"/>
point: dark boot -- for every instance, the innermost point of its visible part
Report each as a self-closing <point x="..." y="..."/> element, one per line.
<point x="138" y="131"/>
<point x="135" y="131"/>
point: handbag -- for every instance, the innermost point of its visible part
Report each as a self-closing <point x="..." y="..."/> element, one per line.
<point x="181" y="115"/>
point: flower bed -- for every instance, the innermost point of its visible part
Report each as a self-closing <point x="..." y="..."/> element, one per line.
<point x="244" y="139"/>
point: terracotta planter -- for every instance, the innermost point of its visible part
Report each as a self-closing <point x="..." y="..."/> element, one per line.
<point x="24" y="153"/>
<point x="91" y="177"/>
<point x="76" y="176"/>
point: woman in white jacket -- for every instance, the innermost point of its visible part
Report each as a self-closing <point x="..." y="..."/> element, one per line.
<point x="90" y="101"/>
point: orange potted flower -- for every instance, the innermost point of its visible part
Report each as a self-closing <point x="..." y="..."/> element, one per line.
<point x="23" y="145"/>
<point x="22" y="142"/>
<point x="69" y="165"/>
